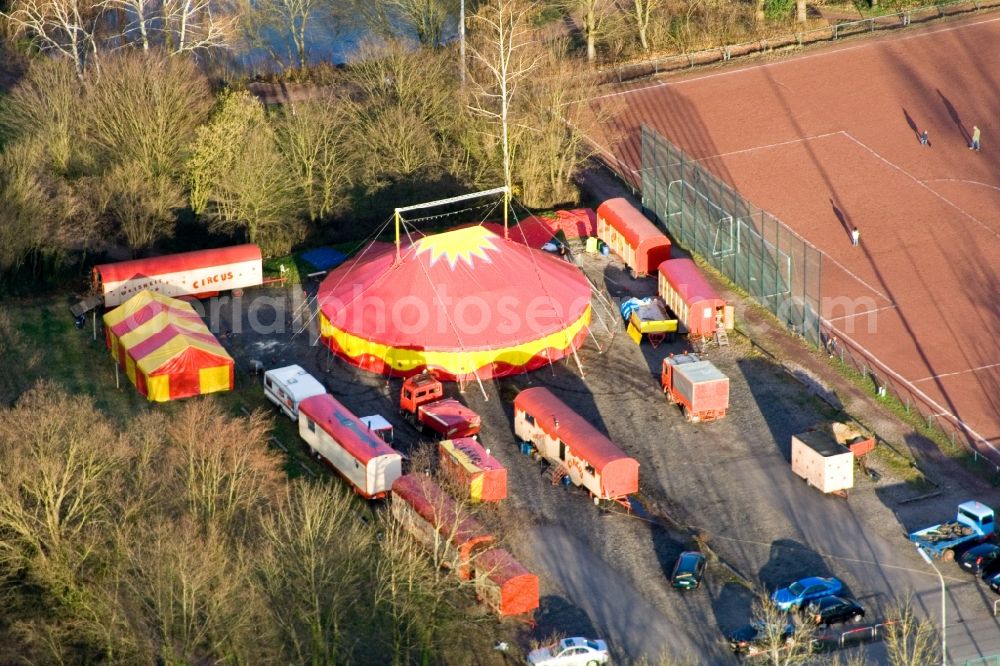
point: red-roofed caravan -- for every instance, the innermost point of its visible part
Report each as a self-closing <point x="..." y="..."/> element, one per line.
<point x="698" y="308"/>
<point x="575" y="447"/>
<point x="166" y="349"/>
<point x="481" y="476"/>
<point x="504" y="584"/>
<point x="438" y="523"/>
<point x="198" y="273"/>
<point x="343" y="440"/>
<point x="630" y="234"/>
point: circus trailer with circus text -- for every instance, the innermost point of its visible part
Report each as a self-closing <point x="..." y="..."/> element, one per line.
<point x="200" y="274"/>
<point x="575" y="448"/>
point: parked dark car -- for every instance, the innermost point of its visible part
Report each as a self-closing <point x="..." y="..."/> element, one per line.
<point x="688" y="570"/>
<point x="751" y="638"/>
<point x="994" y="582"/>
<point x="983" y="560"/>
<point x="831" y="610"/>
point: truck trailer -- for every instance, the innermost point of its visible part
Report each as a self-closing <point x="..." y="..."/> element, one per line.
<point x="701" y="390"/>
<point x="822" y="462"/>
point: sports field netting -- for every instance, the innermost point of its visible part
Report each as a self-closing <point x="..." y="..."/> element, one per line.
<point x="751" y="247"/>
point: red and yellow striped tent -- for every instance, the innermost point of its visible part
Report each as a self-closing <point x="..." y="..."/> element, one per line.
<point x="166" y="349"/>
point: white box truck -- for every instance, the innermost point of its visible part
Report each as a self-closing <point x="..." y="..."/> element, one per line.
<point x="287" y="387"/>
<point x="822" y="462"/>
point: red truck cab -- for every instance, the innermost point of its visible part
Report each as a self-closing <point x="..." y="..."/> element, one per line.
<point x="423" y="399"/>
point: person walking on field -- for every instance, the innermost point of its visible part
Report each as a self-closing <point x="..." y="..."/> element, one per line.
<point x="976" y="134"/>
<point x="855" y="236"/>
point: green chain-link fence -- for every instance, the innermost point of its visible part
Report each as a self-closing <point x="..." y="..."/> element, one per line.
<point x="751" y="247"/>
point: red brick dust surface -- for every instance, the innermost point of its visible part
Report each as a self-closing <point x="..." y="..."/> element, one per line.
<point x="829" y="140"/>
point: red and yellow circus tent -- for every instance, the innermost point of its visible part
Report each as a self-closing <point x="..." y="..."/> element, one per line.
<point x="463" y="304"/>
<point x="166" y="349"/>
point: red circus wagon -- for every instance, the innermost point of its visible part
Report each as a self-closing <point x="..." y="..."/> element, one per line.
<point x="698" y="308"/>
<point x="630" y="234"/>
<point x="575" y="448"/>
<point x="481" y="476"/>
<point x="437" y="522"/>
<point x="503" y="583"/>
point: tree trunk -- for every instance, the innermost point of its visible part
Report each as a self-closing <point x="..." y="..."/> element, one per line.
<point x="800" y="7"/>
<point x="759" y="13"/>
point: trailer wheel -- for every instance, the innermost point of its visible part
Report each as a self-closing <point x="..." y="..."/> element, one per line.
<point x="948" y="555"/>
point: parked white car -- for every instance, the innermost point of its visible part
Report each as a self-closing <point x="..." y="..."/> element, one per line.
<point x="571" y="652"/>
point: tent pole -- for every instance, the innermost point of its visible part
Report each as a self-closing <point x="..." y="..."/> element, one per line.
<point x="117" y="384"/>
<point x="95" y="324"/>
<point x="578" y="364"/>
<point x="506" y="207"/>
<point x="598" y="344"/>
<point x="396" y="217"/>
<point x="481" y="387"/>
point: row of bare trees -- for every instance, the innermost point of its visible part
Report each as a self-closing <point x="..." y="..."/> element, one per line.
<point x="121" y="154"/>
<point x="177" y="539"/>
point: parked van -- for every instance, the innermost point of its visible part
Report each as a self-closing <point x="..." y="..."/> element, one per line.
<point x="287" y="387"/>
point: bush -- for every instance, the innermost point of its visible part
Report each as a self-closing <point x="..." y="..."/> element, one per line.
<point x="778" y="10"/>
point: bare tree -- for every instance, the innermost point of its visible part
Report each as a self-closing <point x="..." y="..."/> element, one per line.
<point x="395" y="19"/>
<point x="552" y="129"/>
<point x="46" y="106"/>
<point x="176" y="26"/>
<point x="291" y="19"/>
<point x="316" y="529"/>
<point x="504" y="54"/>
<point x="593" y="16"/>
<point x="780" y="641"/>
<point x="239" y="178"/>
<point x="640" y="12"/>
<point x="224" y="469"/>
<point x="144" y="207"/>
<point x="63" y="27"/>
<point x="144" y="109"/>
<point x="313" y="136"/>
<point x="910" y="640"/>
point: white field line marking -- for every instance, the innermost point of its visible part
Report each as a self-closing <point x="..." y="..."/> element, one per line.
<point x="923" y="185"/>
<point x="865" y="312"/>
<point x="804" y="240"/>
<point x="958" y="372"/>
<point x="933" y="403"/>
<point x="777" y="144"/>
<point x="845" y="49"/>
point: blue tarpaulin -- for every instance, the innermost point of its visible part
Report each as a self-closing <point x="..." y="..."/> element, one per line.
<point x="632" y="304"/>
<point x="323" y="258"/>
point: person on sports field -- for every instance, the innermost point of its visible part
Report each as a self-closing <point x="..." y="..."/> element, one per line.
<point x="976" y="134"/>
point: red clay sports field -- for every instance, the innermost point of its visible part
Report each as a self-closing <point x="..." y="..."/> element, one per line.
<point x="829" y="139"/>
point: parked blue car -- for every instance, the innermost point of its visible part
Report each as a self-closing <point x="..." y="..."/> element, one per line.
<point x="796" y="595"/>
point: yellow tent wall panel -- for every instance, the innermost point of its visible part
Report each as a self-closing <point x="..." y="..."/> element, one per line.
<point x="215" y="379"/>
<point x="158" y="388"/>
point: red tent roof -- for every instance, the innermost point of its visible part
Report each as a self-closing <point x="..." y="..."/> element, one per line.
<point x="350" y="431"/>
<point x="438" y="509"/>
<point x="688" y="281"/>
<point x="461" y="292"/>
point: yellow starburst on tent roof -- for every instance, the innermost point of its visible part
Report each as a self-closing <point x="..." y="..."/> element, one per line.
<point x="458" y="245"/>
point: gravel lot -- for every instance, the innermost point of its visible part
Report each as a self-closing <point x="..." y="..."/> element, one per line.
<point x="603" y="572"/>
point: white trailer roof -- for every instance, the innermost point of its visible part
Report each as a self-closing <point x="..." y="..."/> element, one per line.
<point x="296" y="381"/>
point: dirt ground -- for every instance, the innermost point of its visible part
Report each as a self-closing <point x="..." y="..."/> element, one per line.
<point x="604" y="572"/>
